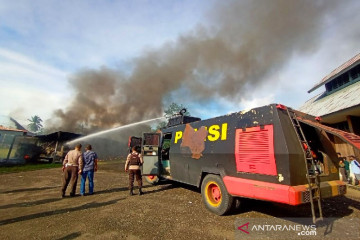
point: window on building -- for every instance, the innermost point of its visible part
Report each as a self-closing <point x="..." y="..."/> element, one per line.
<point x="338" y="82"/>
<point x="355" y="72"/>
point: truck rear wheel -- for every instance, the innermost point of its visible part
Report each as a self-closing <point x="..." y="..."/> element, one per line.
<point x="215" y="196"/>
<point x="152" y="179"/>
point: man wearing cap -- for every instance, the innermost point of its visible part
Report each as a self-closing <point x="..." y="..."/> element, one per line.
<point x="354" y="169"/>
<point x="72" y="166"/>
<point x="90" y="166"/>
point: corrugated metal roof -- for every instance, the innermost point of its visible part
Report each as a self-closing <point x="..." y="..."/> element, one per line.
<point x="321" y="105"/>
<point x="10" y="123"/>
<point x="6" y="121"/>
<point x="344" y="67"/>
<point x="11" y="129"/>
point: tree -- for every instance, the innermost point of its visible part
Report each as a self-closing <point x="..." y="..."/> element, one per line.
<point x="35" y="124"/>
<point x="172" y="110"/>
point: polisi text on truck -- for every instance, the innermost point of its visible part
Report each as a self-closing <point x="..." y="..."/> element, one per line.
<point x="215" y="132"/>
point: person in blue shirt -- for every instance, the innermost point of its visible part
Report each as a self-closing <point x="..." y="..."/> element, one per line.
<point x="354" y="169"/>
<point x="90" y="159"/>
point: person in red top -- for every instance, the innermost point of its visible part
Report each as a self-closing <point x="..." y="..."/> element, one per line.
<point x="132" y="165"/>
<point x="72" y="166"/>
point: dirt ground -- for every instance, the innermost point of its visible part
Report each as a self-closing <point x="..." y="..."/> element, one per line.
<point x="31" y="208"/>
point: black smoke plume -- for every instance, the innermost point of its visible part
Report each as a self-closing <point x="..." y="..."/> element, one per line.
<point x="243" y="43"/>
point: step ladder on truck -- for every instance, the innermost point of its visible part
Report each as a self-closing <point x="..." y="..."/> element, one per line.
<point x="312" y="171"/>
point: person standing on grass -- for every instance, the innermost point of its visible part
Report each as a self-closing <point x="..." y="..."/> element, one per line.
<point x="90" y="166"/>
<point x="354" y="170"/>
<point x="342" y="172"/>
<point x="347" y="169"/>
<point x="133" y="162"/>
<point x="72" y="166"/>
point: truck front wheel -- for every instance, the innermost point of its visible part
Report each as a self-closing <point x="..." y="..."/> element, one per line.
<point x="215" y="196"/>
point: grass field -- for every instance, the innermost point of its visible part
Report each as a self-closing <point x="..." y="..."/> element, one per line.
<point x="28" y="167"/>
<point x="37" y="166"/>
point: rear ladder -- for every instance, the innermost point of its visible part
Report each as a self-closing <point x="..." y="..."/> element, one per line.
<point x="312" y="178"/>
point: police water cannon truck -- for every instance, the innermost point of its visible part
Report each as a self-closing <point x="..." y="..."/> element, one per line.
<point x="271" y="153"/>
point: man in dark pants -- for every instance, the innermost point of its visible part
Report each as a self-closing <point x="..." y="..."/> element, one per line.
<point x="72" y="166"/>
<point x="133" y="162"/>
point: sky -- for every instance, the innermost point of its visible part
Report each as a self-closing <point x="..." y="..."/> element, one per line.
<point x="45" y="44"/>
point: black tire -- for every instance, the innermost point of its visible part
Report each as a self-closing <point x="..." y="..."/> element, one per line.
<point x="215" y="196"/>
<point x="237" y="203"/>
<point x="152" y="179"/>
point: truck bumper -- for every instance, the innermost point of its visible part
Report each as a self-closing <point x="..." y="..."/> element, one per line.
<point x="292" y="195"/>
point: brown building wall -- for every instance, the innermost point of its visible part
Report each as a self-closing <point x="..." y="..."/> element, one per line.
<point x="343" y="148"/>
<point x="354" y="124"/>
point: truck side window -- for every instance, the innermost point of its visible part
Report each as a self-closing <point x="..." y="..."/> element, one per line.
<point x="166" y="146"/>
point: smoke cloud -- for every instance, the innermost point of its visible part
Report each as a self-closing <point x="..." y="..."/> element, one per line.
<point x="244" y="43"/>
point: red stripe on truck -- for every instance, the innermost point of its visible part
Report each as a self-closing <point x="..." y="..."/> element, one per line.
<point x="264" y="191"/>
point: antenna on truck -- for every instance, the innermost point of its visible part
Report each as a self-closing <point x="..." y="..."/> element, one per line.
<point x="182" y="112"/>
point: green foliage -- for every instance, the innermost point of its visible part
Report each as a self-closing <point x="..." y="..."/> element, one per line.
<point x="35" y="124"/>
<point x="166" y="143"/>
<point x="173" y="109"/>
<point x="161" y="125"/>
<point x="170" y="111"/>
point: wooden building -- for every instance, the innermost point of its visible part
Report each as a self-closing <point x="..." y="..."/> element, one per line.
<point x="10" y="130"/>
<point x="339" y="105"/>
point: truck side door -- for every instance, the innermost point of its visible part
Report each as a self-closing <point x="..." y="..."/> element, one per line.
<point x="150" y="152"/>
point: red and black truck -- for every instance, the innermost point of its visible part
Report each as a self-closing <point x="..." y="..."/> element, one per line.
<point x="271" y="153"/>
